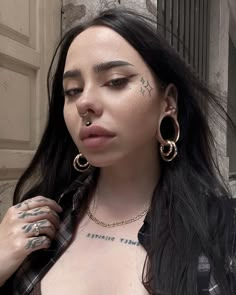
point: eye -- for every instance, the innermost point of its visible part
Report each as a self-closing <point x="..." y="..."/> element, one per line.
<point x="72" y="92"/>
<point x="117" y="83"/>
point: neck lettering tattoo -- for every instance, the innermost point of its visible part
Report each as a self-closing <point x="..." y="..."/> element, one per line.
<point x="112" y="239"/>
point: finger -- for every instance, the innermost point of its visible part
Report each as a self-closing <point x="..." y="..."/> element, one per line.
<point x="37" y="243"/>
<point x="23" y="205"/>
<point x="38" y="201"/>
<point x="40" y="213"/>
<point x="44" y="227"/>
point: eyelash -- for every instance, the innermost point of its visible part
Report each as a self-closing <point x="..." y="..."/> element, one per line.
<point x="72" y="92"/>
<point x="114" y="83"/>
<point x="121" y="82"/>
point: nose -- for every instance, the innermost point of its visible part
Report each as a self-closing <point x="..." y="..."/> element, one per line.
<point x="89" y="101"/>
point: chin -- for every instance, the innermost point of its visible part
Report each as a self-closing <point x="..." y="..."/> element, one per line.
<point x="101" y="164"/>
<point x="102" y="161"/>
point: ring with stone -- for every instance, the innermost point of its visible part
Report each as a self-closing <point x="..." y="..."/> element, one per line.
<point x="36" y="229"/>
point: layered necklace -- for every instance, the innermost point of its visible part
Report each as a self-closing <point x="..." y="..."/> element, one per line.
<point x="118" y="223"/>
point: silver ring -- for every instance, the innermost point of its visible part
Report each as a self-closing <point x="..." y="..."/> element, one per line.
<point x="36" y="229"/>
<point x="84" y="115"/>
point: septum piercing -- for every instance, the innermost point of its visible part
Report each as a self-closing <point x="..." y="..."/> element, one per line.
<point x="87" y="121"/>
<point x="84" y="115"/>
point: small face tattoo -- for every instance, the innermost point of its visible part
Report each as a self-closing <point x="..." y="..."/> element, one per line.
<point x="142" y="90"/>
<point x="146" y="86"/>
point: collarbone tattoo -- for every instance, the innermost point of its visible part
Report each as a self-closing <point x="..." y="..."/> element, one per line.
<point x="108" y="238"/>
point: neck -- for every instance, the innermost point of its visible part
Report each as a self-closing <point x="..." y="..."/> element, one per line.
<point x="129" y="185"/>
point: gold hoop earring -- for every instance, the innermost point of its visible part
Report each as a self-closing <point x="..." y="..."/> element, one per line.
<point x="80" y="163"/>
<point x="171" y="151"/>
<point x="168" y="148"/>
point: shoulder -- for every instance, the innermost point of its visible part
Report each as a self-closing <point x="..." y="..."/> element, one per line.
<point x="231" y="211"/>
<point x="226" y="216"/>
<point x="222" y="227"/>
<point x="221" y="210"/>
<point x="230" y="243"/>
<point x="226" y="225"/>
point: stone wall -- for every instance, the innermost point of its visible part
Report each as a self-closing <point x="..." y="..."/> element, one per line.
<point x="75" y="11"/>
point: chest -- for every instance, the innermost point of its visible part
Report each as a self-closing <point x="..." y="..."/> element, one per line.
<point x="99" y="261"/>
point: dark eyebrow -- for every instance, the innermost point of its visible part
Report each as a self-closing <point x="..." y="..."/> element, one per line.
<point x="72" y="74"/>
<point x="109" y="65"/>
<point x="102" y="67"/>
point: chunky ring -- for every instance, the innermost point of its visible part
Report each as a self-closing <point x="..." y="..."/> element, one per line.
<point x="36" y="229"/>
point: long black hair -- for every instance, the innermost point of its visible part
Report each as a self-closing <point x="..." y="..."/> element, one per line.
<point x="186" y="215"/>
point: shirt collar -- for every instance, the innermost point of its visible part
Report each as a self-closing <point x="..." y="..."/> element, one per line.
<point x="80" y="187"/>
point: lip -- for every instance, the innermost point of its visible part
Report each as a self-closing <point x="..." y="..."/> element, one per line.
<point x="93" y="132"/>
<point x="96" y="142"/>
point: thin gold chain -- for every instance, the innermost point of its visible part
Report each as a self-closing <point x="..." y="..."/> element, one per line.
<point x="119" y="223"/>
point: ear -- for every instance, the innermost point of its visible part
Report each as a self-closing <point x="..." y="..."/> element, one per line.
<point x="169" y="110"/>
<point x="170" y="98"/>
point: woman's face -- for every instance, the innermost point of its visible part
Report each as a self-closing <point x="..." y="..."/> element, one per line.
<point x="106" y="77"/>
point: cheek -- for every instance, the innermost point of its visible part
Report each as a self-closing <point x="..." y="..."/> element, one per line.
<point x="139" y="119"/>
<point x="147" y="87"/>
<point x="142" y="109"/>
<point x="70" y="119"/>
<point x="150" y="97"/>
<point x="66" y="117"/>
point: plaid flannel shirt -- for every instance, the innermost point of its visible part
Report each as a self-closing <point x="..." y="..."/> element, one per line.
<point x="38" y="263"/>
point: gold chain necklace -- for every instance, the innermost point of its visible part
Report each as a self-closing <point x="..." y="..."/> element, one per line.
<point x="114" y="224"/>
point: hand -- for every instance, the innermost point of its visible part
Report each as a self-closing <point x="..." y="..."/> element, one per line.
<point x="26" y="227"/>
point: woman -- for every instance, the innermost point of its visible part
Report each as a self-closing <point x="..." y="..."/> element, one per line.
<point x="128" y="155"/>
